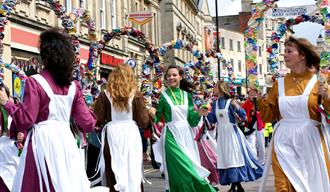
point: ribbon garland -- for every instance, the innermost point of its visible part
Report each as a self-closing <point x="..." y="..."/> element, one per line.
<point x="250" y="43"/>
<point x="273" y="50"/>
<point x="6" y="8"/>
<point x="324" y="8"/>
<point x="198" y="73"/>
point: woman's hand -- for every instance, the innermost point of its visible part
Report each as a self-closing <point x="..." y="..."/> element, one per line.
<point x="152" y="112"/>
<point x="20" y="137"/>
<point x="202" y="111"/>
<point x="235" y="104"/>
<point x="324" y="91"/>
<point x="3" y="97"/>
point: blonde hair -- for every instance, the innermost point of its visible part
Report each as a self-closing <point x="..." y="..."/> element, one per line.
<point x="121" y="85"/>
<point x="224" y="87"/>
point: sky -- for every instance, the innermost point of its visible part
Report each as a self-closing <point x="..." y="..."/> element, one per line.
<point x="307" y="30"/>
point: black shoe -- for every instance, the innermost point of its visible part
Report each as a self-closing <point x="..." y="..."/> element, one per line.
<point x="232" y="190"/>
<point x="240" y="190"/>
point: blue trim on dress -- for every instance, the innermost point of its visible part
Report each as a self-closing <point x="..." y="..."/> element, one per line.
<point x="239" y="174"/>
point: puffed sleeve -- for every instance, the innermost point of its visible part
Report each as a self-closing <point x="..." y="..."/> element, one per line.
<point x="25" y="114"/>
<point x="193" y="116"/>
<point x="268" y="107"/>
<point x="160" y="108"/>
<point x="211" y="116"/>
<point x="83" y="116"/>
<point x="100" y="110"/>
<point x="140" y="112"/>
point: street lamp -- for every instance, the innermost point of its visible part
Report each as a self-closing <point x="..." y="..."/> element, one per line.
<point x="218" y="40"/>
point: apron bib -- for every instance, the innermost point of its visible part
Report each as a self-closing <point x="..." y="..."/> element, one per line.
<point x="125" y="146"/>
<point x="297" y="142"/>
<point x="54" y="147"/>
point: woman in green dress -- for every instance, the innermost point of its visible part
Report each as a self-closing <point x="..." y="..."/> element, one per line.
<point x="177" y="150"/>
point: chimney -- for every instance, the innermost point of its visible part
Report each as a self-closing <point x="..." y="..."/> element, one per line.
<point x="246" y="5"/>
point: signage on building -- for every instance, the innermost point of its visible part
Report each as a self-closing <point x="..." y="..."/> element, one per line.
<point x="131" y="62"/>
<point x="110" y="60"/>
<point x="141" y="17"/>
<point x="18" y="87"/>
<point x="291" y="12"/>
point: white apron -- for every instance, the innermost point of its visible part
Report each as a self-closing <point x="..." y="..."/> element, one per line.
<point x="54" y="146"/>
<point x="297" y="142"/>
<point x="8" y="158"/>
<point x="125" y="145"/>
<point x="229" y="151"/>
<point x="183" y="135"/>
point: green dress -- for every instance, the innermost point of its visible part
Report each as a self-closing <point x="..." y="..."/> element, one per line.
<point x="184" y="172"/>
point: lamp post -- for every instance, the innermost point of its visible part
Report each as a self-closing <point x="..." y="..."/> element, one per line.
<point x="218" y="40"/>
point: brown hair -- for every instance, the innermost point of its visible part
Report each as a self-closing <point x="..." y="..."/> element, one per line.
<point x="121" y="86"/>
<point x="173" y="66"/>
<point x="224" y="87"/>
<point x="307" y="49"/>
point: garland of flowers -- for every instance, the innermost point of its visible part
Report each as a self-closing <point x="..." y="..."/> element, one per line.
<point x="69" y="23"/>
<point x="6" y="8"/>
<point x="251" y="40"/>
<point x="201" y="75"/>
<point x="324" y="7"/>
<point x="202" y="78"/>
<point x="273" y="50"/>
<point x="87" y="74"/>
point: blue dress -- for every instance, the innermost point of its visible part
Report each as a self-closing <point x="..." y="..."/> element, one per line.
<point x="235" y="162"/>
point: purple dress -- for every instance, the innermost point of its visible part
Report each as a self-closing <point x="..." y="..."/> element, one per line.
<point x="35" y="109"/>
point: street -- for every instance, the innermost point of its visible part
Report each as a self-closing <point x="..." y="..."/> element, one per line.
<point x="158" y="183"/>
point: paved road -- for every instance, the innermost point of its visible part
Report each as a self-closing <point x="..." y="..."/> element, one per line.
<point x="154" y="176"/>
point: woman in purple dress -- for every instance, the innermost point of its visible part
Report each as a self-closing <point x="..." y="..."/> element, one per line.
<point x="50" y="159"/>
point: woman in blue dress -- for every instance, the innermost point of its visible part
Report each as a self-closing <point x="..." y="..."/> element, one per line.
<point x="235" y="160"/>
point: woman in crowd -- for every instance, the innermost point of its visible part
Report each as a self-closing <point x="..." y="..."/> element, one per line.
<point x="207" y="154"/>
<point x="10" y="141"/>
<point x="180" y="159"/>
<point x="50" y="159"/>
<point x="235" y="161"/>
<point x="300" y="158"/>
<point x="120" y="110"/>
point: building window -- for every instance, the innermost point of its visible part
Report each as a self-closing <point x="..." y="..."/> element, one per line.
<point x="68" y="5"/>
<point x="222" y="43"/>
<point x="155" y="40"/>
<point x="238" y="46"/>
<point x="224" y="66"/>
<point x="232" y="63"/>
<point x="102" y="14"/>
<point x="259" y="49"/>
<point x="230" y="44"/>
<point x="113" y="14"/>
<point x="268" y="68"/>
<point x="260" y="68"/>
<point x="239" y="66"/>
<point x="83" y="4"/>
<point x="197" y="27"/>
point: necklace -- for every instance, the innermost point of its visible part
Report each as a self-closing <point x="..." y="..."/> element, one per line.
<point x="176" y="101"/>
<point x="296" y="80"/>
